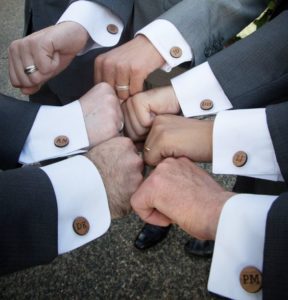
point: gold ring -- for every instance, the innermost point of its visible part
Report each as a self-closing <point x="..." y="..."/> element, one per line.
<point x="147" y="148"/>
<point x="122" y="87"/>
<point x="30" y="69"/>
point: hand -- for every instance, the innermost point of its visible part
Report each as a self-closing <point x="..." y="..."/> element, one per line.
<point x="179" y="192"/>
<point x="141" y="110"/>
<point x="128" y="65"/>
<point x="175" y="136"/>
<point x="121" y="170"/>
<point x="102" y="114"/>
<point x="51" y="50"/>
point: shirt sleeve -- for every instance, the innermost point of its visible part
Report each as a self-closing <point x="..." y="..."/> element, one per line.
<point x="80" y="192"/>
<point x="169" y="42"/>
<point x="97" y="20"/>
<point x="199" y="92"/>
<point x="239" y="243"/>
<point x="51" y="123"/>
<point x="242" y="145"/>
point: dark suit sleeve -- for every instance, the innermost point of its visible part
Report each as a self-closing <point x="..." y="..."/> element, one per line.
<point x="254" y="71"/>
<point x="16" y="120"/>
<point x="28" y="214"/>
<point x="275" y="275"/>
<point x="275" y="265"/>
<point x="121" y="8"/>
<point x="277" y="119"/>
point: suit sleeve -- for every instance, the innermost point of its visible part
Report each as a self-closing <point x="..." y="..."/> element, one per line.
<point x="121" y="8"/>
<point x="29" y="235"/>
<point x="16" y="120"/>
<point x="258" y="64"/>
<point x="275" y="276"/>
<point x="206" y="25"/>
<point x="278" y="125"/>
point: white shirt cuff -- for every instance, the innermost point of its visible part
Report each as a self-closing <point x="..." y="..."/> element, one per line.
<point x="244" y="130"/>
<point x="80" y="192"/>
<point x="239" y="243"/>
<point x="94" y="18"/>
<point x="197" y="85"/>
<point x="164" y="36"/>
<point x="50" y="122"/>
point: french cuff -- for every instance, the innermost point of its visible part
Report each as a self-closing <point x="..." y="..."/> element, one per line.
<point x="242" y="145"/>
<point x="239" y="246"/>
<point x="83" y="211"/>
<point x="199" y="92"/>
<point x="169" y="42"/>
<point x="56" y="132"/>
<point x="103" y="26"/>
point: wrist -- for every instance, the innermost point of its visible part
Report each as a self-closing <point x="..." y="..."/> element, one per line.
<point x="74" y="34"/>
<point x="154" y="54"/>
<point x="214" y="214"/>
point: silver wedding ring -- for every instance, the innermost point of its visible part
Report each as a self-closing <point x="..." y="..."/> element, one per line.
<point x="30" y="69"/>
<point x="120" y="88"/>
<point x="121" y="127"/>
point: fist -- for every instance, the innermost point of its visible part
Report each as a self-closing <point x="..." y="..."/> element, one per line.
<point x="121" y="168"/>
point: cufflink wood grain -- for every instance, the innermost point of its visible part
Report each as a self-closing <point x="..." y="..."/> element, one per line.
<point x="240" y="159"/>
<point x="206" y="104"/>
<point x="61" y="141"/>
<point x="251" y="279"/>
<point x="176" y="52"/>
<point x="112" y="28"/>
<point x="81" y="226"/>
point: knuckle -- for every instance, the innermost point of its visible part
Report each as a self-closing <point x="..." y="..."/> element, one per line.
<point x="99" y="60"/>
<point x="121" y="66"/>
<point x="137" y="70"/>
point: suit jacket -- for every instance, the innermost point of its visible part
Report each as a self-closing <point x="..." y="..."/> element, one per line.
<point x="28" y="208"/>
<point x="206" y="25"/>
<point x="275" y="263"/>
<point x="257" y="80"/>
<point x="254" y="71"/>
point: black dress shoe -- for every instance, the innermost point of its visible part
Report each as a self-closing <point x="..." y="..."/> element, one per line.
<point x="150" y="235"/>
<point x="199" y="247"/>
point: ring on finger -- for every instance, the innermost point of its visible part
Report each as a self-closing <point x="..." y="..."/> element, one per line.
<point x="121" y="88"/>
<point x="147" y="149"/>
<point x="121" y="127"/>
<point x="30" y="69"/>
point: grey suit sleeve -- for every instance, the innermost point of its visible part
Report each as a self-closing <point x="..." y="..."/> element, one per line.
<point x="254" y="71"/>
<point x="207" y="24"/>
<point x="16" y="120"/>
<point x="28" y="214"/>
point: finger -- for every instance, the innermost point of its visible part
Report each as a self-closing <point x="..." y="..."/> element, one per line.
<point x="18" y="66"/>
<point x="128" y="130"/>
<point x="152" y="149"/>
<point x="34" y="78"/>
<point x="12" y="73"/>
<point x="31" y="91"/>
<point x="122" y="81"/>
<point x="146" y="211"/>
<point x="142" y="109"/>
<point x="157" y="218"/>
<point x="108" y="72"/>
<point x="98" y="69"/>
<point x="137" y="127"/>
<point x="136" y="82"/>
